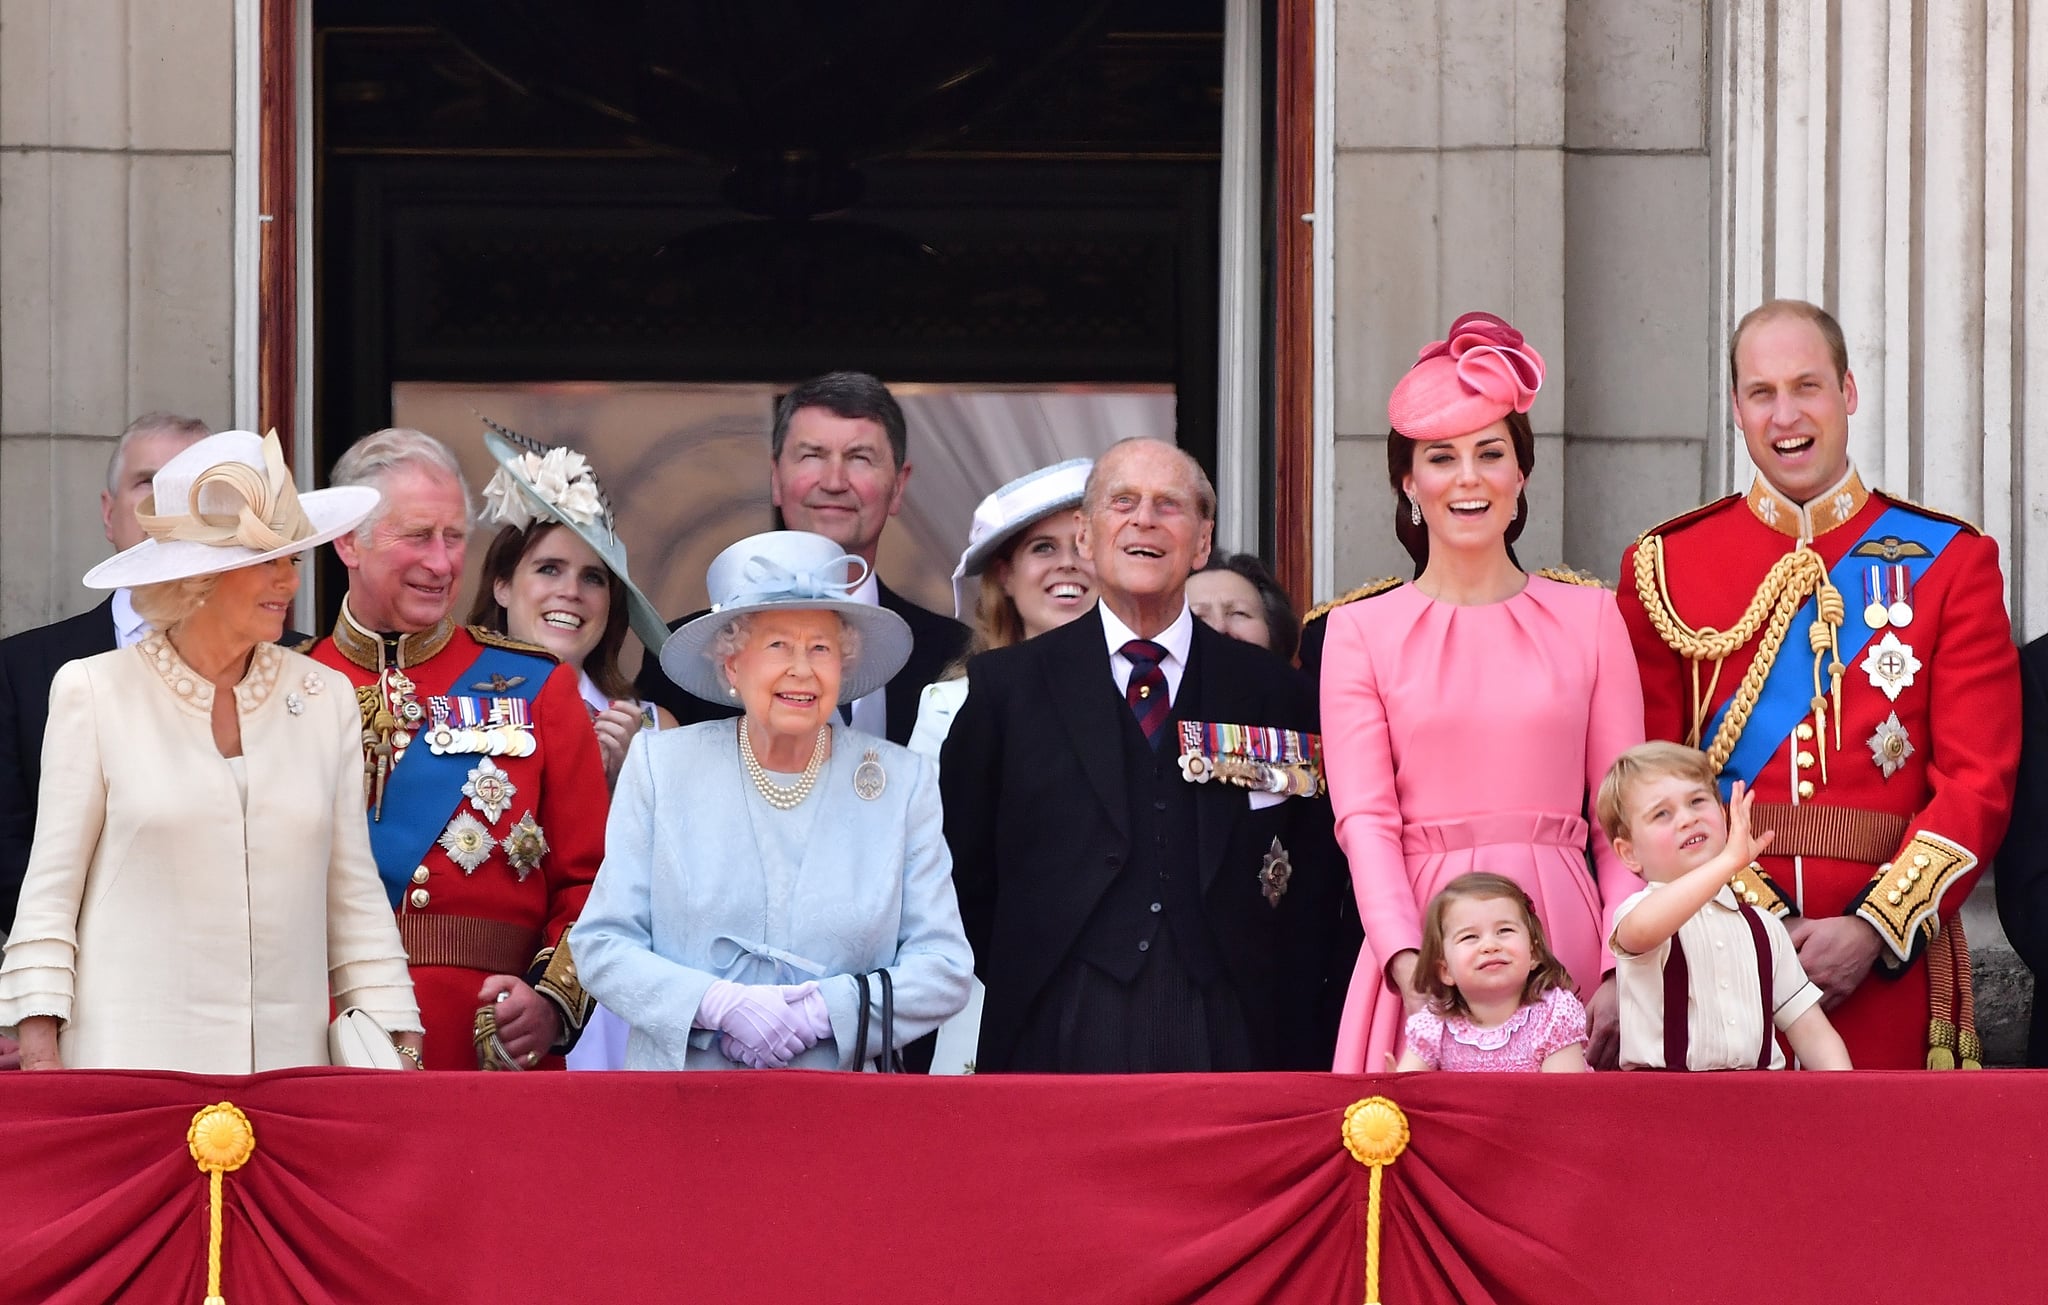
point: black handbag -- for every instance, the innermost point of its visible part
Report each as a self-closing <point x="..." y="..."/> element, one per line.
<point x="889" y="1060"/>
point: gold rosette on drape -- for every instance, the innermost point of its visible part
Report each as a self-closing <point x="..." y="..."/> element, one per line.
<point x="1375" y="1133"/>
<point x="221" y="1141"/>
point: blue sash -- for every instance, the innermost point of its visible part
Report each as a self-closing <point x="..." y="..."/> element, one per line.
<point x="1787" y="696"/>
<point x="424" y="789"/>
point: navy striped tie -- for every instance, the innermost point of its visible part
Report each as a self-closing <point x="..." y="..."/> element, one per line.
<point x="1147" y="693"/>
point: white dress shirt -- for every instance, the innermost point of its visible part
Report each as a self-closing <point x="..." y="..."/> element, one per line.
<point x="1176" y="639"/>
<point x="129" y="627"/>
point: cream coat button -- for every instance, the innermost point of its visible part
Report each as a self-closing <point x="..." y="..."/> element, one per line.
<point x="419" y="875"/>
<point x="420" y="897"/>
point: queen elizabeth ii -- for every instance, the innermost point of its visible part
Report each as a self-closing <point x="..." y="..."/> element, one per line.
<point x="760" y="872"/>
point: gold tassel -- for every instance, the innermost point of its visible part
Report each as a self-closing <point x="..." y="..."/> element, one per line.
<point x="221" y="1141"/>
<point x="1375" y="1133"/>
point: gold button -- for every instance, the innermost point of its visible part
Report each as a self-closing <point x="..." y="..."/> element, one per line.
<point x="1806" y="788"/>
<point x="1805" y="759"/>
<point x="419" y="875"/>
<point x="1805" y="731"/>
<point x="1750" y="897"/>
<point x="1904" y="883"/>
<point x="1920" y="859"/>
<point x="1893" y="898"/>
<point x="420" y="897"/>
<point x="1913" y="874"/>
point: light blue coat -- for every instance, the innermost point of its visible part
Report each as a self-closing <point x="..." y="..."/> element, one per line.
<point x="684" y="898"/>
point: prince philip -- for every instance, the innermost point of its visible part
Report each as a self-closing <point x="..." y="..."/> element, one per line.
<point x="1130" y="911"/>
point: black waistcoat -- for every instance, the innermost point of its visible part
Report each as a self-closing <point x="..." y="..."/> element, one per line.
<point x="1159" y="882"/>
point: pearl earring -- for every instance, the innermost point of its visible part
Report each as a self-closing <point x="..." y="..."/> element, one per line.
<point x="1414" y="511"/>
<point x="732" y="690"/>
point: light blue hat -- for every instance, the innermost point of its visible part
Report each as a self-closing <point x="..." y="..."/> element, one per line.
<point x="787" y="570"/>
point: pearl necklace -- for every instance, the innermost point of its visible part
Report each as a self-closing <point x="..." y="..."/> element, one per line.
<point x="784" y="799"/>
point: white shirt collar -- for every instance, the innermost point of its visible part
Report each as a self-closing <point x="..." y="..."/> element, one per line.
<point x="129" y="627"/>
<point x="1176" y="639"/>
<point x="870" y="591"/>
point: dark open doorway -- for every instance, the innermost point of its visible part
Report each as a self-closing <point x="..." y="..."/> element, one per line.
<point x="473" y="227"/>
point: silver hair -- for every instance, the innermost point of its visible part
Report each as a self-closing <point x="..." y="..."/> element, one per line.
<point x="151" y="423"/>
<point x="731" y="641"/>
<point x="1198" y="478"/>
<point x="371" y="460"/>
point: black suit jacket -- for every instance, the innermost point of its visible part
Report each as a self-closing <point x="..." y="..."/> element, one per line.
<point x="28" y="662"/>
<point x="935" y="643"/>
<point x="1038" y="819"/>
<point x="2021" y="874"/>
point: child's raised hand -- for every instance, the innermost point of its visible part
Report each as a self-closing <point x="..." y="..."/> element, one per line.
<point x="1743" y="845"/>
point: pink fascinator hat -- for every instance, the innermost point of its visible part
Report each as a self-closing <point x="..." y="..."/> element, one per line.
<point x="1479" y="373"/>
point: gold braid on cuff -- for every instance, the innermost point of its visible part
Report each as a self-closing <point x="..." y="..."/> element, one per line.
<point x="1753" y="886"/>
<point x="1903" y="899"/>
<point x="557" y="981"/>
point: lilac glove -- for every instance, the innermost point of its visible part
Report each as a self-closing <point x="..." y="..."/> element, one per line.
<point x="756" y="1021"/>
<point x="807" y="1005"/>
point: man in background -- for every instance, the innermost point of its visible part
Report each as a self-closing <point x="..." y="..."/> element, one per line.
<point x="838" y="467"/>
<point x="29" y="660"/>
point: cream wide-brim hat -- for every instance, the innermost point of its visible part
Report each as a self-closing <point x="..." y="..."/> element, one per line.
<point x="779" y="571"/>
<point x="230" y="508"/>
<point x="599" y="532"/>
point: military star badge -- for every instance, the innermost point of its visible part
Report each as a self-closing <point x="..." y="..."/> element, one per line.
<point x="1274" y="872"/>
<point x="1889" y="746"/>
<point x="1891" y="665"/>
<point x="467" y="842"/>
<point x="525" y="846"/>
<point x="489" y="790"/>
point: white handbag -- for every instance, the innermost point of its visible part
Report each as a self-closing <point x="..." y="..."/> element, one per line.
<point x="357" y="1040"/>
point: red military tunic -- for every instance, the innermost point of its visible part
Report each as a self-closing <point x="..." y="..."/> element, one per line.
<point x="1896" y="830"/>
<point x="461" y="926"/>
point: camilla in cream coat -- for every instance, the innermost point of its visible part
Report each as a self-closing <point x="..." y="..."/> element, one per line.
<point x="186" y="907"/>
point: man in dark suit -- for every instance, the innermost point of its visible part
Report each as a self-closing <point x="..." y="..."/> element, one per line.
<point x="1124" y="918"/>
<point x="2021" y="874"/>
<point x="29" y="660"/>
<point x="837" y="467"/>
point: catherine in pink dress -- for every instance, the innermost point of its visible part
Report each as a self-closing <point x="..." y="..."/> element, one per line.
<point x="1468" y="714"/>
<point x="1468" y="738"/>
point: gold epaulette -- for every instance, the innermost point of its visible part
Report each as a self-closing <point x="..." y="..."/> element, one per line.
<point x="1902" y="901"/>
<point x="492" y="639"/>
<point x="1566" y="575"/>
<point x="1926" y="511"/>
<point x="1688" y="517"/>
<point x="1367" y="590"/>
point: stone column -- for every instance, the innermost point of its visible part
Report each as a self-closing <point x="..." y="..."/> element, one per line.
<point x="1548" y="161"/>
<point x="1879" y="158"/>
<point x="116" y="124"/>
<point x="1638" y="294"/>
<point x="1449" y="195"/>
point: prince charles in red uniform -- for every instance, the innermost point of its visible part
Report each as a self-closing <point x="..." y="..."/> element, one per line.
<point x="487" y="792"/>
<point x="1848" y="654"/>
